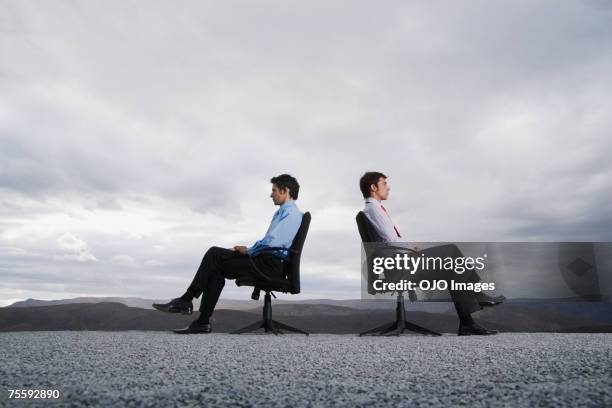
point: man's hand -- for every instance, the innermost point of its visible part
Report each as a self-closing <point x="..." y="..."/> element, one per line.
<point x="241" y="248"/>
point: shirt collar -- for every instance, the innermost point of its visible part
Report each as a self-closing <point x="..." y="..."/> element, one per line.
<point x="372" y="200"/>
<point x="287" y="204"/>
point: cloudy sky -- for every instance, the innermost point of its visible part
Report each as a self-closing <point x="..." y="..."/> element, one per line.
<point x="136" y="134"/>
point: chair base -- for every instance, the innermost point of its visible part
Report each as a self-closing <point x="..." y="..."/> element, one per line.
<point x="400" y="325"/>
<point x="271" y="326"/>
<point x="267" y="323"/>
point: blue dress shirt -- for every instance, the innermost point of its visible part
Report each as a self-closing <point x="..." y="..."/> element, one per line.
<point x="283" y="228"/>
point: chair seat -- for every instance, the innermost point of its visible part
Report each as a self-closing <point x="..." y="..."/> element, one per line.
<point x="279" y="285"/>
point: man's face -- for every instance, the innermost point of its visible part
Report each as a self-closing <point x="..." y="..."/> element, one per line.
<point x="279" y="197"/>
<point x="380" y="190"/>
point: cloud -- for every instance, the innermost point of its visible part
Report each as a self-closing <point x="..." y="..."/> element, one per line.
<point x="151" y="132"/>
<point x="124" y="261"/>
<point x="154" y="262"/>
<point x="74" y="249"/>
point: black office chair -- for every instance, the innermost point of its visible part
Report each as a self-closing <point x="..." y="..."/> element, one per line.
<point x="290" y="283"/>
<point x="397" y="327"/>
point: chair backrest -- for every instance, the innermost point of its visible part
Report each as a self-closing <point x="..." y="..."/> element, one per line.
<point x="293" y="266"/>
<point x="367" y="233"/>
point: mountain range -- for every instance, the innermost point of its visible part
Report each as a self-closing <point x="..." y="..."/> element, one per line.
<point x="315" y="316"/>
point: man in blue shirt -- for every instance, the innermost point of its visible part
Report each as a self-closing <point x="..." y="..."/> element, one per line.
<point x="219" y="264"/>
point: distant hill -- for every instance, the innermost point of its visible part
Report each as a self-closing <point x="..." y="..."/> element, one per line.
<point x="600" y="312"/>
<point x="241" y="304"/>
<point x="594" y="312"/>
<point x="315" y="318"/>
<point x="128" y="301"/>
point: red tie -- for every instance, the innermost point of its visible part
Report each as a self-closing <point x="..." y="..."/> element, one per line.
<point x="396" y="231"/>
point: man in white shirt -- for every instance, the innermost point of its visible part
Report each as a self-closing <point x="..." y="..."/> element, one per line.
<point x="375" y="190"/>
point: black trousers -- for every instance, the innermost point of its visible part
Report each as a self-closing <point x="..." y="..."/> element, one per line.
<point x="220" y="264"/>
<point x="465" y="301"/>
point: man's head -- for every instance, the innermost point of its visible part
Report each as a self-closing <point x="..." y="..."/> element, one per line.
<point x="374" y="184"/>
<point x="284" y="188"/>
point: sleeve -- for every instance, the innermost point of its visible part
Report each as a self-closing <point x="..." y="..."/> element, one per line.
<point x="256" y="246"/>
<point x="280" y="234"/>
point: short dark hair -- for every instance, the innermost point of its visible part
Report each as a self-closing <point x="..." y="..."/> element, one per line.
<point x="285" y="181"/>
<point x="369" y="178"/>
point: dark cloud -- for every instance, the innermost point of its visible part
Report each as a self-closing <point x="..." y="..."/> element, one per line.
<point x="138" y="128"/>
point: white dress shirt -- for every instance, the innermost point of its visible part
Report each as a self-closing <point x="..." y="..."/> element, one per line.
<point x="381" y="221"/>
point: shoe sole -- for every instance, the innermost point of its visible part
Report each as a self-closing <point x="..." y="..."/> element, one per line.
<point x="476" y="334"/>
<point x="167" y="310"/>
<point x="489" y="304"/>
<point x="191" y="332"/>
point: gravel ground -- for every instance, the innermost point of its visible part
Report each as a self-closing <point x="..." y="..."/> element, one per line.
<point x="162" y="369"/>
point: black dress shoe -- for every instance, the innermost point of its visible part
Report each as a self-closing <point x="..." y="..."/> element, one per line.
<point x="486" y="300"/>
<point x="177" y="305"/>
<point x="194" y="328"/>
<point x="474" y="330"/>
